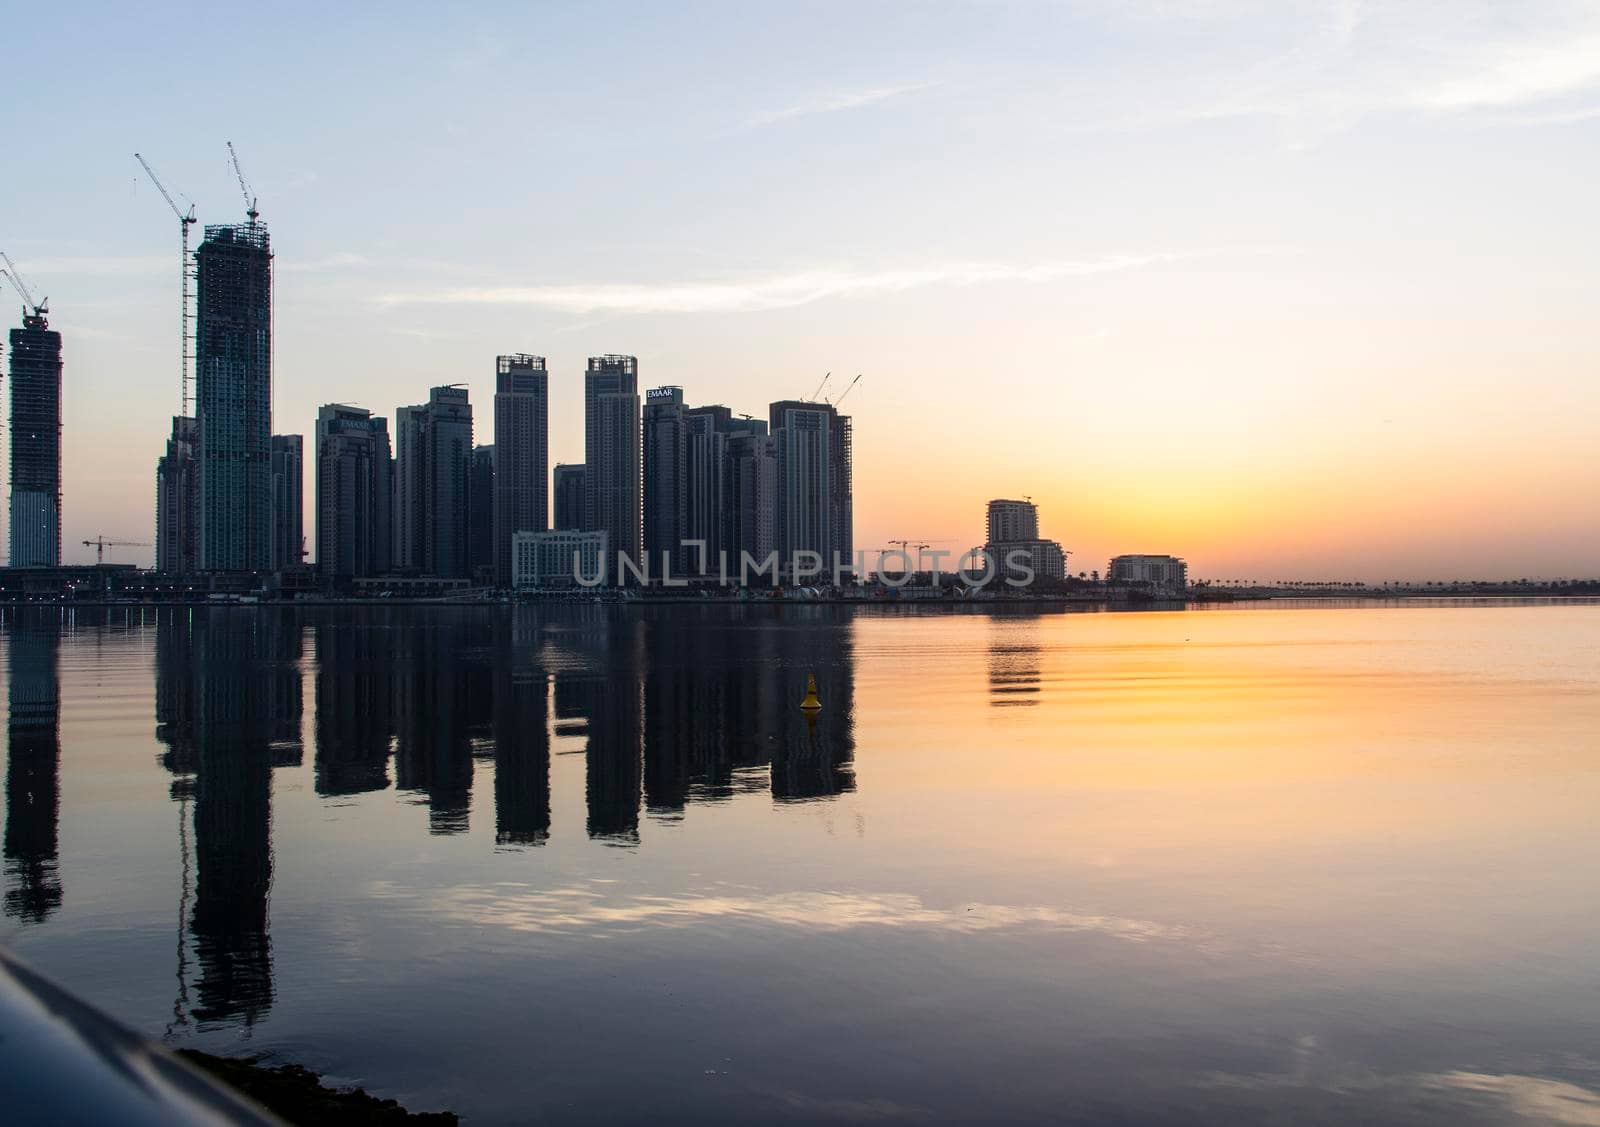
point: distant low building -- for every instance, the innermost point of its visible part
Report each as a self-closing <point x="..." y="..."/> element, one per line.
<point x="542" y="560"/>
<point x="1159" y="573"/>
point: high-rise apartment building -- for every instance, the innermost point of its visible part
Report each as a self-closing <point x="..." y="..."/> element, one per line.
<point x="1014" y="543"/>
<point x="233" y="362"/>
<point x="569" y="496"/>
<point x="409" y="465"/>
<point x="35" y="442"/>
<point x="432" y="466"/>
<point x="612" y="452"/>
<point x="522" y="454"/>
<point x="355" y="495"/>
<point x="666" y="511"/>
<point x="748" y="495"/>
<point x="288" y="501"/>
<point x="705" y="479"/>
<point x="714" y="435"/>
<point x="814" y="508"/>
<point x="1012" y="521"/>
<point x="480" y="515"/>
<point x="178" y="500"/>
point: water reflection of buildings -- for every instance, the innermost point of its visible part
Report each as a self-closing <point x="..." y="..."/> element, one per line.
<point x="687" y="704"/>
<point x="355" y="707"/>
<point x="443" y="710"/>
<point x="596" y="659"/>
<point x="721" y="711"/>
<point x="521" y="738"/>
<point x="229" y="704"/>
<point x="33" y="767"/>
<point x="1015" y="680"/>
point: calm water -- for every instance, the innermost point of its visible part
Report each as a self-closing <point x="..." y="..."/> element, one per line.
<point x="1293" y="865"/>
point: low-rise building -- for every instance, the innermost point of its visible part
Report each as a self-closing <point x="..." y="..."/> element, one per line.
<point x="542" y="560"/>
<point x="1158" y="573"/>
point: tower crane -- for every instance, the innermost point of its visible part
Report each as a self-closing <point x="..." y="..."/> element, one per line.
<point x="249" y="196"/>
<point x="820" y="386"/>
<point x="31" y="307"/>
<point x="847" y="390"/>
<point x="185" y="221"/>
<point x="100" y="544"/>
<point x="907" y="546"/>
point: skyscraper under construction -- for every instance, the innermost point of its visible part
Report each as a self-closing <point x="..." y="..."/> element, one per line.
<point x="233" y="351"/>
<point x="35" y="442"/>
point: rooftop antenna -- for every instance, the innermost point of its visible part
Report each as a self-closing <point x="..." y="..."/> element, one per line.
<point x="185" y="221"/>
<point x="35" y="308"/>
<point x="820" y="386"/>
<point x="249" y="196"/>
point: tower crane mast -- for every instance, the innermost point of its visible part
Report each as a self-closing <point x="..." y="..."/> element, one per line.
<point x="185" y="271"/>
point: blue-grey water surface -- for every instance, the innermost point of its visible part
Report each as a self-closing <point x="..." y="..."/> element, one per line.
<point x="1298" y="864"/>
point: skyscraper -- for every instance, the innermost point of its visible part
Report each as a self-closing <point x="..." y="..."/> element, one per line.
<point x="705" y="478"/>
<point x="233" y="351"/>
<point x="35" y="442"/>
<point x="431" y="490"/>
<point x="569" y="494"/>
<point x="522" y="454"/>
<point x="611" y="449"/>
<point x="288" y="501"/>
<point x="813" y="508"/>
<point x="666" y="511"/>
<point x="178" y="500"/>
<point x="354" y="493"/>
<point x="715" y="440"/>
<point x="749" y="496"/>
<point x="480" y="514"/>
<point x="409" y="465"/>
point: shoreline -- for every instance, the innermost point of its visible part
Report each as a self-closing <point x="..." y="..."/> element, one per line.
<point x="916" y="602"/>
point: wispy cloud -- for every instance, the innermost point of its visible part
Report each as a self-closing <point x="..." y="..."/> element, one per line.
<point x="778" y="291"/>
<point x="1330" y="64"/>
<point x="833" y="101"/>
<point x="1552" y="117"/>
<point x="1519" y="74"/>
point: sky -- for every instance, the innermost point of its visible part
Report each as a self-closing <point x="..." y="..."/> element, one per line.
<point x="1293" y="290"/>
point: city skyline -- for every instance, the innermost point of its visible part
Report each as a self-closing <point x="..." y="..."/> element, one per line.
<point x="1289" y="360"/>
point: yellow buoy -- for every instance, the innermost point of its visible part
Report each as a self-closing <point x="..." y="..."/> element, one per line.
<point x="811" y="703"/>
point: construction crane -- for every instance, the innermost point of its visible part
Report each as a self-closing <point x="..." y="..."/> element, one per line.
<point x="907" y="546"/>
<point x="185" y="221"/>
<point x="100" y="544"/>
<point x="820" y="386"/>
<point x="847" y="390"/>
<point x="249" y="196"/>
<point x="30" y="307"/>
